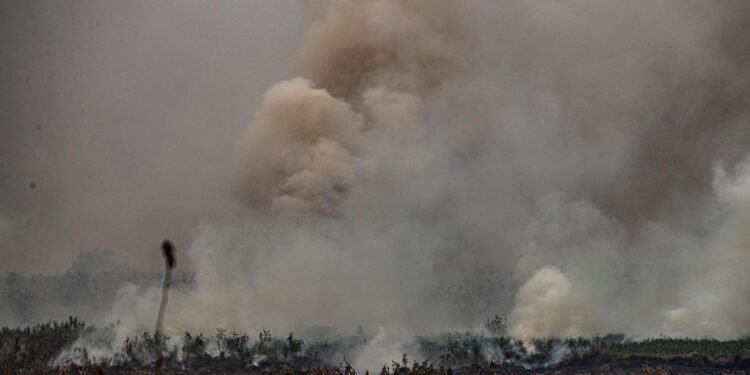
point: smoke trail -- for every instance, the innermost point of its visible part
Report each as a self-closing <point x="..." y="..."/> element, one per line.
<point x="169" y="263"/>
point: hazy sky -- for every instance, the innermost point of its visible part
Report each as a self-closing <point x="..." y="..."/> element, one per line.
<point x="122" y="115"/>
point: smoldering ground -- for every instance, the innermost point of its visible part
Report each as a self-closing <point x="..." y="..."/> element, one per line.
<point x="579" y="165"/>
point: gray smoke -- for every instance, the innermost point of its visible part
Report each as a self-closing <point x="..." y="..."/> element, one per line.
<point x="426" y="157"/>
<point x="428" y="145"/>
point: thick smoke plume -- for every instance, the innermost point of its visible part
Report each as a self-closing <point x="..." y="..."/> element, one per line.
<point x="429" y="150"/>
<point x="429" y="155"/>
<point x="433" y="163"/>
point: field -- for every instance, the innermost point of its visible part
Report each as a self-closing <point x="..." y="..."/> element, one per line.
<point x="72" y="347"/>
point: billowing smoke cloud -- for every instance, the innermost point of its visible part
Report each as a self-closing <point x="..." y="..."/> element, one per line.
<point x="428" y="151"/>
<point x="299" y="151"/>
<point x="314" y="153"/>
<point x="547" y="305"/>
<point x="433" y="163"/>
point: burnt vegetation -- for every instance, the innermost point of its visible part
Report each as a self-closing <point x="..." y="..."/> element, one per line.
<point x="73" y="347"/>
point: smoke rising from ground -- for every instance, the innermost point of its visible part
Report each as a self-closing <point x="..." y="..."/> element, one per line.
<point x="432" y="163"/>
<point x="547" y="304"/>
<point x="428" y="146"/>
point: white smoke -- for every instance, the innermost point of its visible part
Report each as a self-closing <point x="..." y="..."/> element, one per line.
<point x="714" y="301"/>
<point x="385" y="347"/>
<point x="547" y="305"/>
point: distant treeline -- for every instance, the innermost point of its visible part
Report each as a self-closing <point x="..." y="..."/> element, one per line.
<point x="87" y="290"/>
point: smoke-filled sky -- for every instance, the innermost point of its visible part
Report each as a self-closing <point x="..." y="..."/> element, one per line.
<point x="123" y="114"/>
<point x="580" y="165"/>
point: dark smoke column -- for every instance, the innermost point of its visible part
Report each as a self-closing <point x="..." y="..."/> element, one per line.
<point x="169" y="262"/>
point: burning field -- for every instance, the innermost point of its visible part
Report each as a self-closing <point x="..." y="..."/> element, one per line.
<point x="72" y="347"/>
<point x="355" y="186"/>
